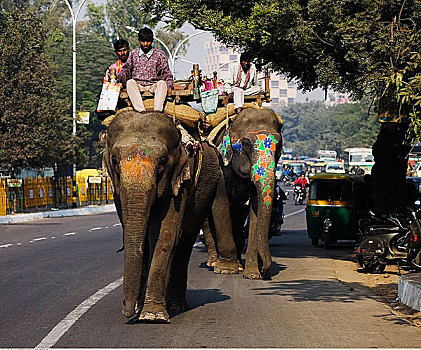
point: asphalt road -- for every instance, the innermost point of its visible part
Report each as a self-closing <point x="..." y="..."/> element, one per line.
<point x="61" y="287"/>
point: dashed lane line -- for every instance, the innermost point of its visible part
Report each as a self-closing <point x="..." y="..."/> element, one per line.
<point x="95" y="229"/>
<point x="295" y="212"/>
<point x="38" y="239"/>
<point x="70" y="234"/>
<point x="64" y="325"/>
<point x="6" y="245"/>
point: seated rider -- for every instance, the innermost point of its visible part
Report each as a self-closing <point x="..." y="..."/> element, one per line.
<point x="147" y="69"/>
<point x="121" y="48"/>
<point x="301" y="181"/>
<point x="242" y="81"/>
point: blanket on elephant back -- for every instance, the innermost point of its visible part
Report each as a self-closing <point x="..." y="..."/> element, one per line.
<point x="193" y="119"/>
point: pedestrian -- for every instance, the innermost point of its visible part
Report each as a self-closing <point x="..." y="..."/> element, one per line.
<point x="147" y="69"/>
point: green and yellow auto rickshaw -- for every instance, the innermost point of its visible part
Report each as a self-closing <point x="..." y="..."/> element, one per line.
<point x="335" y="204"/>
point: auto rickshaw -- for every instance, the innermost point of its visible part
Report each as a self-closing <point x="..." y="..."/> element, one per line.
<point x="335" y="204"/>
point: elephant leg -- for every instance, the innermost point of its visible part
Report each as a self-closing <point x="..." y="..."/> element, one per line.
<point x="154" y="307"/>
<point x="251" y="270"/>
<point x="177" y="286"/>
<point x="227" y="258"/>
<point x="210" y="243"/>
<point x="239" y="215"/>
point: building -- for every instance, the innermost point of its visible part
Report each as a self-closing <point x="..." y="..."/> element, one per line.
<point x="220" y="58"/>
<point x="335" y="98"/>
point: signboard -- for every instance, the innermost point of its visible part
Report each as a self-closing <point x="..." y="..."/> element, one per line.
<point x="94" y="179"/>
<point x="82" y="118"/>
<point x="14" y="182"/>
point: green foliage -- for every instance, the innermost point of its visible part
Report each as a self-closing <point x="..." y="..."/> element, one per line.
<point x="309" y="127"/>
<point x="363" y="47"/>
<point x="33" y="122"/>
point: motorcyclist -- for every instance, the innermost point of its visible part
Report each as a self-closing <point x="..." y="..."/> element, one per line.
<point x="301" y="180"/>
<point x="289" y="172"/>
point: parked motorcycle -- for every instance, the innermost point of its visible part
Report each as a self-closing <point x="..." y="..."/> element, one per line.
<point x="299" y="194"/>
<point x="389" y="239"/>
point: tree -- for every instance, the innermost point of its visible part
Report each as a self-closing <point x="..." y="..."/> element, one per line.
<point x="311" y="126"/>
<point x="363" y="47"/>
<point x="33" y="117"/>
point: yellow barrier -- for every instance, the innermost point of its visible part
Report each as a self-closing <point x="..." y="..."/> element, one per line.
<point x="45" y="193"/>
<point x="3" y="198"/>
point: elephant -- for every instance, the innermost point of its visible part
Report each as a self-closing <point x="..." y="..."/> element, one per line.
<point x="250" y="149"/>
<point x="163" y="197"/>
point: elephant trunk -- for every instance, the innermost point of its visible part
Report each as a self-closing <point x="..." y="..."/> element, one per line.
<point x="137" y="194"/>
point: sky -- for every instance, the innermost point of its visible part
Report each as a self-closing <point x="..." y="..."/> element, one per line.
<point x="196" y="53"/>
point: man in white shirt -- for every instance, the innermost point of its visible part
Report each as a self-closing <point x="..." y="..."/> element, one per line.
<point x="242" y="81"/>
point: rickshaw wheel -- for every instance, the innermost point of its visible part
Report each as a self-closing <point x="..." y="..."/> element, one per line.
<point x="315" y="242"/>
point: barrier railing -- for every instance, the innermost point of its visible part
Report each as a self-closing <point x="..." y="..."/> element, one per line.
<point x="37" y="194"/>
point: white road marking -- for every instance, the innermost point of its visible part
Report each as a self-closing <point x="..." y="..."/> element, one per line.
<point x="64" y="325"/>
<point x="6" y="245"/>
<point x="39" y="239"/>
<point x="70" y="234"/>
<point x="119" y="224"/>
<point x="295" y="212"/>
<point x="95" y="228"/>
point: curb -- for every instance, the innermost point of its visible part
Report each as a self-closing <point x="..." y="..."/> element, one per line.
<point x="97" y="209"/>
<point x="409" y="290"/>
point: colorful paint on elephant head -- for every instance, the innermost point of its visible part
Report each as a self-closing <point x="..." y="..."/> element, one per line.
<point x="266" y="144"/>
<point x="226" y="142"/>
<point x="136" y="169"/>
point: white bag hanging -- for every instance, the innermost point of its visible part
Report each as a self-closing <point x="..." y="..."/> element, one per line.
<point x="109" y="96"/>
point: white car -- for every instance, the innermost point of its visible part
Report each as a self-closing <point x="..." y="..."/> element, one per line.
<point x="335" y="167"/>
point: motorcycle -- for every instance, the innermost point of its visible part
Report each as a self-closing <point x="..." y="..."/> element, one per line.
<point x="389" y="239"/>
<point x="299" y="194"/>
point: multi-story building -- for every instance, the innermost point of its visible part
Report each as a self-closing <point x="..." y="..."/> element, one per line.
<point x="220" y="58"/>
<point x="334" y="98"/>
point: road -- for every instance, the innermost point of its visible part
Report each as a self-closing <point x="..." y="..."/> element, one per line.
<point x="52" y="270"/>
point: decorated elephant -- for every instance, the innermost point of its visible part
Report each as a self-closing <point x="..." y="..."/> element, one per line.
<point x="163" y="197"/>
<point x="250" y="148"/>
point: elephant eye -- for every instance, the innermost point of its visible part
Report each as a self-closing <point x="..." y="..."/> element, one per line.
<point x="162" y="163"/>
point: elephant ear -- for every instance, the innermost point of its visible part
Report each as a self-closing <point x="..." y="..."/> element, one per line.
<point x="225" y="149"/>
<point x="106" y="165"/>
<point x="181" y="171"/>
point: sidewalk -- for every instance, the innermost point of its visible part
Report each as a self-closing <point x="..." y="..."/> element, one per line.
<point x="89" y="210"/>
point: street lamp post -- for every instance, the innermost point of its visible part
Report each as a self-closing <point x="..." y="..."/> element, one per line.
<point x="74" y="20"/>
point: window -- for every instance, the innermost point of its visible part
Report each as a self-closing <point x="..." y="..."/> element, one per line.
<point x="223" y="49"/>
<point x="291" y="84"/>
<point x="233" y="57"/>
<point x="275" y="101"/>
<point x="290" y="101"/>
<point x="274" y="84"/>
<point x="332" y="97"/>
<point x="331" y="190"/>
<point x="283" y="92"/>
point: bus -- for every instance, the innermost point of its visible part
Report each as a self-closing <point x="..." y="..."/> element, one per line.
<point x="362" y="157"/>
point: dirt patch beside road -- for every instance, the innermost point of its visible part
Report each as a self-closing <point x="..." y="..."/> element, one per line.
<point x="384" y="287"/>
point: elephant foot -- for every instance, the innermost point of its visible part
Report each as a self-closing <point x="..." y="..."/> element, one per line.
<point x="252" y="274"/>
<point x="226" y="267"/>
<point x="154" y="314"/>
<point x="212" y="260"/>
<point x="176" y="302"/>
